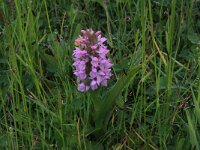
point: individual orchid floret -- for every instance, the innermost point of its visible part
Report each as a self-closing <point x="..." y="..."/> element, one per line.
<point x="92" y="67"/>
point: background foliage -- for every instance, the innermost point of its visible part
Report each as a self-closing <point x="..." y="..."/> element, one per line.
<point x="40" y="107"/>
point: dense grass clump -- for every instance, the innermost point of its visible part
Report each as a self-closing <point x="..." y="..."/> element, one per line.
<point x="152" y="101"/>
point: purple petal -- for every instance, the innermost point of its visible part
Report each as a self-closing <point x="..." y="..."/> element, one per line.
<point x="98" y="33"/>
<point x="93" y="47"/>
<point x="104" y="82"/>
<point x="81" y="87"/>
<point x="83" y="31"/>
<point x="99" y="79"/>
<point x="93" y="85"/>
<point x="102" y="40"/>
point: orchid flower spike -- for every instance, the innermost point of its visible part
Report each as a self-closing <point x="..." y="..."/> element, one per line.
<point x="92" y="67"/>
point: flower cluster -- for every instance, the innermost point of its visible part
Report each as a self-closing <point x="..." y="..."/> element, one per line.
<point x="92" y="68"/>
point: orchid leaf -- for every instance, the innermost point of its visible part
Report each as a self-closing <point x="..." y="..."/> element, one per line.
<point x="111" y="96"/>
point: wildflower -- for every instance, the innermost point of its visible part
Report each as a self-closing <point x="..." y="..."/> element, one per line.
<point x="92" y="68"/>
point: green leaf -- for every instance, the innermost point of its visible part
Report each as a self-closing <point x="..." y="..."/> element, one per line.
<point x="180" y="144"/>
<point x="98" y="1"/>
<point x="3" y="141"/>
<point x="192" y="131"/>
<point x="103" y="114"/>
<point x="120" y="102"/>
<point x="194" y="38"/>
<point x="196" y="104"/>
<point x="77" y="31"/>
<point x="48" y="58"/>
<point x="124" y="64"/>
<point x="53" y="68"/>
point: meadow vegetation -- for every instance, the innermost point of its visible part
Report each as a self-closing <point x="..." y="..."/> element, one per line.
<point x="156" y="41"/>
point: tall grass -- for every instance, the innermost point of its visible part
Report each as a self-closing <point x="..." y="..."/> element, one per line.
<point x="40" y="107"/>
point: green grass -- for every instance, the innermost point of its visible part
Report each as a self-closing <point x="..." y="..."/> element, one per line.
<point x="40" y="107"/>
